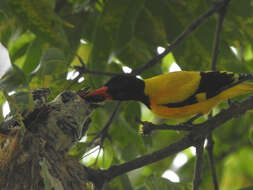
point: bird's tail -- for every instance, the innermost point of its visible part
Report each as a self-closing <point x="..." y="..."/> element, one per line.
<point x="245" y="87"/>
<point x="237" y="90"/>
<point x="240" y="86"/>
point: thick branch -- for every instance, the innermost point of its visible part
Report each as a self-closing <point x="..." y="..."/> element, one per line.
<point x="201" y="131"/>
<point x="198" y="165"/>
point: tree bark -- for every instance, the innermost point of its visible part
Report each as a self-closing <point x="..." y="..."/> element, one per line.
<point x="36" y="158"/>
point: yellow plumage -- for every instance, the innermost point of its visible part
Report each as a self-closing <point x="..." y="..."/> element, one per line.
<point x="178" y="86"/>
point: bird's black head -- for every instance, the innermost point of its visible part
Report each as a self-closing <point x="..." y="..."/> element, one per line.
<point x="121" y="88"/>
<point x="125" y="88"/>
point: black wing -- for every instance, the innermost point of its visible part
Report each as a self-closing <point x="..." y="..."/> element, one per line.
<point x="211" y="84"/>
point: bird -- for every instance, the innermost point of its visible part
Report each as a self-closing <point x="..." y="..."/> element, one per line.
<point x="177" y="94"/>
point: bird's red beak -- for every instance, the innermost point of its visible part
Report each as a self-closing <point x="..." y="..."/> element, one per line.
<point x="98" y="95"/>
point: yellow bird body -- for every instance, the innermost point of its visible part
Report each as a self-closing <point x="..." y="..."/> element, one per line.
<point x="178" y="86"/>
<point x="176" y="94"/>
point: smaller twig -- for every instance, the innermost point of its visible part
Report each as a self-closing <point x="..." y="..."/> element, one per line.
<point x="85" y="128"/>
<point x="84" y="70"/>
<point x="198" y="165"/>
<point x="217" y="40"/>
<point x="221" y="16"/>
<point x="99" y="139"/>
<point x="189" y="29"/>
<point x="74" y="81"/>
<point x="209" y="149"/>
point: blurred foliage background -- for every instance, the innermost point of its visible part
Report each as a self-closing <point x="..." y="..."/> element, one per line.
<point x="43" y="38"/>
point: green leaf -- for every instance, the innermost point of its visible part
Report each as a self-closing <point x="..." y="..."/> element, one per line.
<point x="9" y="30"/>
<point x="167" y="62"/>
<point x="120" y="183"/>
<point x="51" y="71"/>
<point x="142" y="187"/>
<point x="234" y="180"/>
<point x="2" y="100"/>
<point x="78" y="150"/>
<point x="52" y="62"/>
<point x="21" y="102"/>
<point x="19" y="47"/>
<point x="135" y="53"/>
<point x="106" y="159"/>
<point x="13" y="79"/>
<point x="130" y="112"/>
<point x="33" y="54"/>
<point x="128" y="23"/>
<point x="126" y="138"/>
<point x="40" y="18"/>
<point x="114" y="67"/>
<point x="239" y="19"/>
<point x="114" y="30"/>
<point x="150" y="26"/>
<point x="126" y="182"/>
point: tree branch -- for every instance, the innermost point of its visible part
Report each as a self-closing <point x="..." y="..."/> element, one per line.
<point x="221" y="16"/>
<point x="99" y="139"/>
<point x="200" y="131"/>
<point x="209" y="149"/>
<point x="210" y="145"/>
<point x="84" y="70"/>
<point x="198" y="164"/>
<point x="189" y="29"/>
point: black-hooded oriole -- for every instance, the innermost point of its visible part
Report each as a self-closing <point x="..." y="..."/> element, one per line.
<point x="175" y="94"/>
